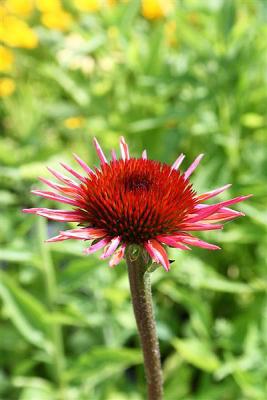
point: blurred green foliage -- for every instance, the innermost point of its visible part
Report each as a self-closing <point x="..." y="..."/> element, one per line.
<point x="192" y="81"/>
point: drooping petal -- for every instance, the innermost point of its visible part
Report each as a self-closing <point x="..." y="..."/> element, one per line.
<point x="234" y="200"/>
<point x="117" y="256"/>
<point x="58" y="238"/>
<point x="54" y="196"/>
<point x="111" y="247"/>
<point x="84" y="166"/>
<point x="225" y="211"/>
<point x="96" y="246"/>
<point x="31" y="210"/>
<point x="203" y="213"/>
<point x="206" y="211"/>
<point x="100" y="152"/>
<point x="224" y="216"/>
<point x="172" y="241"/>
<point x="199" y="243"/>
<point x="85" y="233"/>
<point x="124" y="149"/>
<point x="193" y="166"/>
<point x="61" y="215"/>
<point x="200" y="227"/>
<point x="72" y="171"/>
<point x="213" y="193"/>
<point x="178" y="162"/>
<point x="158" y="253"/>
<point x="144" y="155"/>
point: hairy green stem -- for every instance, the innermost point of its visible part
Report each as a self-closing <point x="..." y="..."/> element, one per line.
<point x="140" y="287"/>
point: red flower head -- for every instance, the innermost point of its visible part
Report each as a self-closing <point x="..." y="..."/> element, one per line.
<point x="134" y="201"/>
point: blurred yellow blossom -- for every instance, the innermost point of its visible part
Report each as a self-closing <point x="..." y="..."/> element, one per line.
<point x="16" y="33"/>
<point x="171" y="33"/>
<point x="74" y="122"/>
<point x="154" y="9"/>
<point x="59" y="20"/>
<point x="21" y="8"/>
<point x="3" y="11"/>
<point x="6" y="59"/>
<point x="48" y="6"/>
<point x="87" y="5"/>
<point x="7" y="87"/>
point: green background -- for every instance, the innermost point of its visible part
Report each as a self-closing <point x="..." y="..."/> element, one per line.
<point x="67" y="330"/>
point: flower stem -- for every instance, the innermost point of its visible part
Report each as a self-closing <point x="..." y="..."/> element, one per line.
<point x="140" y="287"/>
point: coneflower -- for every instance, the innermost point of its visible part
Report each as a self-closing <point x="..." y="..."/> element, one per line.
<point x="133" y="208"/>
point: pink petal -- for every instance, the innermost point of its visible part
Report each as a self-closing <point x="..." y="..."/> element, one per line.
<point x="206" y="211"/>
<point x="58" y="238"/>
<point x="200" y="227"/>
<point x="100" y="153"/>
<point x="117" y="256"/>
<point x="203" y="213"/>
<point x="113" y="155"/>
<point x="230" y="211"/>
<point x="234" y="201"/>
<point x="85" y="167"/>
<point x="178" y="162"/>
<point x="222" y="210"/>
<point x="212" y="193"/>
<point x="193" y="166"/>
<point x="72" y="171"/>
<point x="63" y="178"/>
<point x="31" y="210"/>
<point x="61" y="215"/>
<point x="97" y="246"/>
<point x="64" y="189"/>
<point x="144" y="155"/>
<point x="111" y="247"/>
<point x="124" y="149"/>
<point x="85" y="233"/>
<point x="54" y="196"/>
<point x="151" y="251"/>
<point x="158" y="253"/>
<point x="224" y="216"/>
<point x="199" y="243"/>
<point x="171" y="241"/>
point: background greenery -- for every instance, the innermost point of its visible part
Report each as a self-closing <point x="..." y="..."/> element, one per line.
<point x="186" y="76"/>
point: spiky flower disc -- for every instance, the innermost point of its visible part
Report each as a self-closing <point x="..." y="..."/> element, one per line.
<point x="134" y="201"/>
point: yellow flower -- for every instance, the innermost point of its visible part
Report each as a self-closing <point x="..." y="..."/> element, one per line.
<point x="87" y="5"/>
<point x="3" y="12"/>
<point x="7" y="87"/>
<point x="22" y="8"/>
<point x="16" y="33"/>
<point x="6" y="59"/>
<point x="74" y="122"/>
<point x="155" y="9"/>
<point x="50" y="6"/>
<point x="59" y="20"/>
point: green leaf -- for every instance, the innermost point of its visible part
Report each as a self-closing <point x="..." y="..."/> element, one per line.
<point x="101" y="363"/>
<point x="197" y="353"/>
<point x="19" y="256"/>
<point x="26" y="313"/>
<point x="34" y="388"/>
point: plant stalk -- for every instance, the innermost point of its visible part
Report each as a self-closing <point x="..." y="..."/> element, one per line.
<point x="141" y="294"/>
